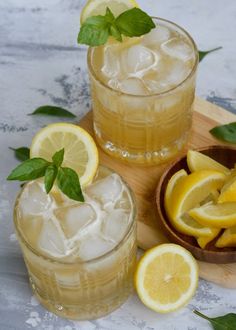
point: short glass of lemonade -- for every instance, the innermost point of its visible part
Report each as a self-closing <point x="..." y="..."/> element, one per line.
<point x="80" y="256"/>
<point x="143" y="92"/>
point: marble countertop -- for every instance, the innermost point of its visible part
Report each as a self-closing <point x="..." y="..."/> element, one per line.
<point x="40" y="63"/>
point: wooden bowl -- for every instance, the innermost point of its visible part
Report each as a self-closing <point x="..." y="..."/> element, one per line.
<point x="224" y="155"/>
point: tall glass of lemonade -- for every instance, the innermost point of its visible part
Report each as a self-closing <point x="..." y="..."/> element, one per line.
<point x="143" y="92"/>
<point x="80" y="256"/>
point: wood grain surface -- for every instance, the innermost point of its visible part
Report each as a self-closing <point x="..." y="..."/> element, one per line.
<point x="143" y="181"/>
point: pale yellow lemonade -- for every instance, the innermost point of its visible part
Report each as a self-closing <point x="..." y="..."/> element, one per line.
<point x="142" y="93"/>
<point x="80" y="256"/>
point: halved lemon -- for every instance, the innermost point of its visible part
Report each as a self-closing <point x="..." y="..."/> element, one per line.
<point x="183" y="223"/>
<point x="227" y="239"/>
<point x="166" y="278"/>
<point x="81" y="153"/>
<point x="98" y="7"/>
<point x="197" y="161"/>
<point x="216" y="215"/>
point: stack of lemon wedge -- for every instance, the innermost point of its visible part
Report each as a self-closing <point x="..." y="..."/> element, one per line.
<point x="203" y="203"/>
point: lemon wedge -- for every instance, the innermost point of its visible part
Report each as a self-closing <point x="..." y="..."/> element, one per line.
<point x="98" y="7"/>
<point x="197" y="161"/>
<point x="227" y="239"/>
<point x="216" y="215"/>
<point x="166" y="278"/>
<point x="204" y="240"/>
<point x="228" y="192"/>
<point x="81" y="153"/>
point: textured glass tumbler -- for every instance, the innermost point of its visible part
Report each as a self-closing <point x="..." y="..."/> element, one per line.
<point x="143" y="129"/>
<point x="82" y="290"/>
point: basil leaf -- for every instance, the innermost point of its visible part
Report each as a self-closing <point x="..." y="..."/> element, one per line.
<point x="109" y="16"/>
<point x="50" y="177"/>
<point x="94" y="32"/>
<point x="114" y="31"/>
<point x="50" y="110"/>
<point x="225" y="133"/>
<point x="68" y="183"/>
<point x="29" y="170"/>
<point x="134" y="23"/>
<point x="225" y="322"/>
<point x="58" y="157"/>
<point x="202" y="54"/>
<point x="22" y="153"/>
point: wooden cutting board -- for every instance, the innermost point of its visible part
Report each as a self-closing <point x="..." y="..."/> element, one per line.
<point x="143" y="181"/>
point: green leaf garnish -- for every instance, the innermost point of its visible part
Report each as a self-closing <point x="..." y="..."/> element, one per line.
<point x="67" y="179"/>
<point x="50" y="177"/>
<point x="225" y="322"/>
<point x="29" y="170"/>
<point x="50" y="110"/>
<point x="132" y="23"/>
<point x="68" y="183"/>
<point x="225" y="133"/>
<point x="21" y="153"/>
<point x="202" y="54"/>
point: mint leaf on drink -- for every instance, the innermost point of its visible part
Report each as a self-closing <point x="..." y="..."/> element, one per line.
<point x="58" y="157"/>
<point x="132" y="23"/>
<point x="68" y="183"/>
<point x="50" y="110"/>
<point x="21" y="153"/>
<point x="202" y="54"/>
<point x="34" y="168"/>
<point x="225" y="322"/>
<point x="29" y="170"/>
<point x="226" y="133"/>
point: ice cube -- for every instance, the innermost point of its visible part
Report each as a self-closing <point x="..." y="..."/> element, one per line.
<point x="115" y="225"/>
<point x="138" y="59"/>
<point x="34" y="199"/>
<point x="76" y="219"/>
<point x="156" y="36"/>
<point x="111" y="67"/>
<point x="177" y="72"/>
<point x="51" y="239"/>
<point x="106" y="190"/>
<point x="133" y="86"/>
<point x="177" y="48"/>
<point x="94" y="247"/>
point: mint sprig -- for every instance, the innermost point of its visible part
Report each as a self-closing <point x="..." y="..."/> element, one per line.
<point x="67" y="179"/>
<point x="96" y="30"/>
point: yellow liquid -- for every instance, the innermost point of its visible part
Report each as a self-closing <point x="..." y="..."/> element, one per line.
<point x="146" y="129"/>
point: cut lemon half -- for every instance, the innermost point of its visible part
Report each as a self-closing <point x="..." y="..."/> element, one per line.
<point x="215" y="215"/>
<point x="98" y="7"/>
<point x="184" y="223"/>
<point x="204" y="240"/>
<point x="227" y="239"/>
<point x="197" y="161"/>
<point x="81" y="153"/>
<point x="166" y="278"/>
<point x="193" y="189"/>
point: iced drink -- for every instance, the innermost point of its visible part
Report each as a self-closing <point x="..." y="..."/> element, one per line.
<point x="142" y="93"/>
<point x="80" y="256"/>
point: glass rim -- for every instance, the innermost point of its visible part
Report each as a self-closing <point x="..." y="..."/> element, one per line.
<point x="193" y="70"/>
<point x="79" y="262"/>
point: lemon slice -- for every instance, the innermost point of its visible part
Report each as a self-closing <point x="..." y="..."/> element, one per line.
<point x="204" y="240"/>
<point x="98" y="7"/>
<point x="194" y="189"/>
<point x="228" y="192"/>
<point x="216" y="215"/>
<point x="81" y="153"/>
<point x="227" y="239"/>
<point x="197" y="161"/>
<point x="166" y="278"/>
<point x="184" y="224"/>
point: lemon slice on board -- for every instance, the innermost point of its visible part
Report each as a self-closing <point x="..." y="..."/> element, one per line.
<point x="98" y="7"/>
<point x="166" y="278"/>
<point x="227" y="239"/>
<point x="216" y="215"/>
<point x="81" y="153"/>
<point x="197" y="161"/>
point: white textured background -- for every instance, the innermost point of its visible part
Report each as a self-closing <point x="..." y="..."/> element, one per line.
<point x="41" y="63"/>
